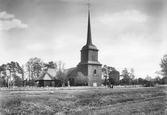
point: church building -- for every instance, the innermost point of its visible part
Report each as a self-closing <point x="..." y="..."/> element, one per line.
<point x="88" y="70"/>
<point x="89" y="65"/>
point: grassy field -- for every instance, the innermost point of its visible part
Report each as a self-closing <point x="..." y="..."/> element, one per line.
<point x="85" y="101"/>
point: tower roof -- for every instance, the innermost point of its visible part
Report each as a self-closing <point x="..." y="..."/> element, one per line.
<point x="89" y="44"/>
<point x="89" y="37"/>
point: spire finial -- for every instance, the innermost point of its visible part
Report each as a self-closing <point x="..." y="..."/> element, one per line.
<point x="88" y="4"/>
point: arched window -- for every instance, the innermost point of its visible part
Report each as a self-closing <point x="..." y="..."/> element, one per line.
<point x="94" y="73"/>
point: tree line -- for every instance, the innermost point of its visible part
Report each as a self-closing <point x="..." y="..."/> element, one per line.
<point x="9" y="74"/>
<point x="114" y="77"/>
<point x="12" y="74"/>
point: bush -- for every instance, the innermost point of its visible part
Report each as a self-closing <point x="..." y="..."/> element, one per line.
<point x="17" y="81"/>
<point x="149" y="84"/>
<point x="2" y="82"/>
<point x="81" y="80"/>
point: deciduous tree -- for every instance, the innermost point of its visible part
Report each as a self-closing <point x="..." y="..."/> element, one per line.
<point x="105" y="71"/>
<point x="51" y="64"/>
<point x="81" y="79"/>
<point x="34" y="67"/>
<point x="163" y="66"/>
<point x="126" y="77"/>
<point x="114" y="77"/>
<point x="140" y="81"/>
<point x="61" y="73"/>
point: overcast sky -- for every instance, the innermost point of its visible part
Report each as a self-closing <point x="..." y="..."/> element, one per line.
<point x="128" y="33"/>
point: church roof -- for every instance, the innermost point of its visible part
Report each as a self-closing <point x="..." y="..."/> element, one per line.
<point x="71" y="72"/>
<point x="50" y="74"/>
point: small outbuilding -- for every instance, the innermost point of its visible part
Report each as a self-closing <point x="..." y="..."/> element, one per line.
<point x="47" y="78"/>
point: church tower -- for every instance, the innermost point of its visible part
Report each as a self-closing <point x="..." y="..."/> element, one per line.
<point x="89" y="65"/>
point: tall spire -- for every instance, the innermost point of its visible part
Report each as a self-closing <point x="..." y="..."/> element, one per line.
<point x="89" y="37"/>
